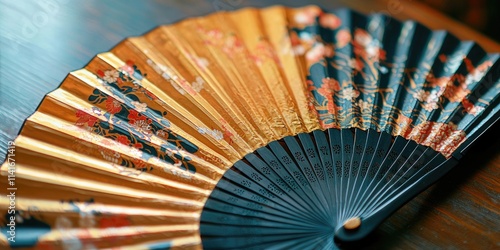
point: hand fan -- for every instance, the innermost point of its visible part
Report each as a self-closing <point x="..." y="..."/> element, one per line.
<point x="260" y="128"/>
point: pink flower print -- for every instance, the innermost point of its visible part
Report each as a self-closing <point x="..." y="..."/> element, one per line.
<point x="315" y="54"/>
<point x="128" y="68"/>
<point x="329" y="21"/>
<point x="362" y="37"/>
<point x="350" y="93"/>
<point x="430" y="106"/>
<point x="307" y="16"/>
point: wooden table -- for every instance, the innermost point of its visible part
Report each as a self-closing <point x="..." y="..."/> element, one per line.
<point x="41" y="41"/>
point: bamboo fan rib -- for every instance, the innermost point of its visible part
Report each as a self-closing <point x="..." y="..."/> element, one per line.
<point x="261" y="128"/>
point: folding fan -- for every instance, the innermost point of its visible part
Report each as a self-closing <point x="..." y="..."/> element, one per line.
<point x="261" y="128"/>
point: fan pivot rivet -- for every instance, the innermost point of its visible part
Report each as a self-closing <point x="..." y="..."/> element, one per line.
<point x="352" y="223"/>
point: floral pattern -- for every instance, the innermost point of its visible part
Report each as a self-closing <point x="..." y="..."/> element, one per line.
<point x="350" y="83"/>
<point x="229" y="43"/>
<point x="130" y="122"/>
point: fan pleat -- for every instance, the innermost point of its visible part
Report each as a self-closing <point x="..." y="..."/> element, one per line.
<point x="215" y="94"/>
<point x="84" y="146"/>
<point x="124" y="236"/>
<point x="154" y="143"/>
<point x="227" y="80"/>
<point x="170" y="82"/>
<point x="99" y="170"/>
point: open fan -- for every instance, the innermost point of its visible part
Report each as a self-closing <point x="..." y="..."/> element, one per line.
<point x="260" y="128"/>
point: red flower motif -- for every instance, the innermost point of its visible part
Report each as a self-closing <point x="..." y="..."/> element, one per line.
<point x="123" y="140"/>
<point x="316" y="53"/>
<point x="382" y="54"/>
<point x="455" y="93"/>
<point x="139" y="122"/>
<point x="128" y="67"/>
<point x="139" y="164"/>
<point x="84" y="118"/>
<point x="329" y="21"/>
<point x="403" y="120"/>
<point x="294" y="39"/>
<point x="187" y="87"/>
<point x="113" y="106"/>
<point x="134" y="116"/>
<point x="114" y="221"/>
<point x="467" y="104"/>
<point x="138" y="145"/>
<point x="100" y="73"/>
<point x="228" y="136"/>
<point x="307" y="15"/>
<point x="215" y="34"/>
<point x="232" y="45"/>
<point x="329" y="87"/>
<point x="443" y="58"/>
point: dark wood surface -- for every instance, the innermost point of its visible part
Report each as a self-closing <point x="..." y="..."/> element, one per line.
<point x="41" y="41"/>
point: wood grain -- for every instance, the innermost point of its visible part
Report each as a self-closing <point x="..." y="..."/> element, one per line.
<point x="41" y="41"/>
